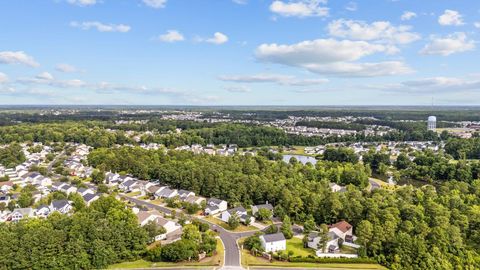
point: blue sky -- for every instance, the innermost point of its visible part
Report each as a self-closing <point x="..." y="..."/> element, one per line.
<point x="240" y="52"/>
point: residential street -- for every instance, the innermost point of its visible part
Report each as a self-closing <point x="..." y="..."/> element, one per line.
<point x="229" y="239"/>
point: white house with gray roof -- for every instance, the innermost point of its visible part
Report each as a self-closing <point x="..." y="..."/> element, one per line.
<point x="273" y="242"/>
<point x="215" y="206"/>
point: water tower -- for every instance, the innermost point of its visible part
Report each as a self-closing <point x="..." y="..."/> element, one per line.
<point x="432" y="123"/>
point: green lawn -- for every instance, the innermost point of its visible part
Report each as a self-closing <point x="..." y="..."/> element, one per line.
<point x="248" y="260"/>
<point x="211" y="261"/>
<point x="296" y="245"/>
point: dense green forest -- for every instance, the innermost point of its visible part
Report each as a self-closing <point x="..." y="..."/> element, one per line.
<point x="409" y="228"/>
<point x="463" y="148"/>
<point x="93" y="238"/>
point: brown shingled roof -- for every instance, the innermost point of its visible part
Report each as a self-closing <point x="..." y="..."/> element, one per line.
<point x="342" y="226"/>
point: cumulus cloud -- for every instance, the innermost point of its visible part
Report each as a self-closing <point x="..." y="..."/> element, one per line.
<point x="65" y="68"/>
<point x="155" y="3"/>
<point x="454" y="43"/>
<point x="380" y="30"/>
<point x="477" y="24"/>
<point x="82" y="3"/>
<point x="272" y="78"/>
<point x="218" y="38"/>
<point x="237" y="88"/>
<point x="101" y="27"/>
<point x="332" y="57"/>
<point x="3" y="78"/>
<point x="171" y="36"/>
<point x="18" y="57"/>
<point x="300" y="8"/>
<point x="450" y="17"/>
<point x="408" y="15"/>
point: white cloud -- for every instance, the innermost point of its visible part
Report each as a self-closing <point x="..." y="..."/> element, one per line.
<point x="433" y="84"/>
<point x="18" y="57"/>
<point x="46" y="78"/>
<point x="237" y="88"/>
<point x="101" y="27"/>
<point x="477" y="24"/>
<point x="454" y="43"/>
<point x="380" y="30"/>
<point x="408" y="15"/>
<point x="240" y="2"/>
<point x="272" y="78"/>
<point x="3" y="78"/>
<point x="300" y="8"/>
<point x="171" y="36"/>
<point x="155" y="3"/>
<point x="331" y="57"/>
<point x="450" y="17"/>
<point x="66" y="68"/>
<point x="218" y="38"/>
<point x="351" y="6"/>
<point x="82" y="3"/>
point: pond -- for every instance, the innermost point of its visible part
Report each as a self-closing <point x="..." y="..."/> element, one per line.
<point x="300" y="158"/>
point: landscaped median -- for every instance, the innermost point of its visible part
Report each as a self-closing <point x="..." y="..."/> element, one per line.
<point x="215" y="260"/>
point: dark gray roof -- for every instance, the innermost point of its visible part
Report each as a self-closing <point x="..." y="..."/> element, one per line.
<point x="183" y="192"/>
<point x="81" y="190"/>
<point x="237" y="209"/>
<point x="89" y="196"/>
<point x="273" y="237"/>
<point x="42" y="206"/>
<point x="214" y="201"/>
<point x="128" y="183"/>
<point x="58" y="204"/>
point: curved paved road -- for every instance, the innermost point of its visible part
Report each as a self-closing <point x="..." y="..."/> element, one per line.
<point x="229" y="239"/>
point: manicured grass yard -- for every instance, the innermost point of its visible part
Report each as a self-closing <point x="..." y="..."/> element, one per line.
<point x="211" y="261"/>
<point x="296" y="245"/>
<point x="249" y="260"/>
<point x="241" y="228"/>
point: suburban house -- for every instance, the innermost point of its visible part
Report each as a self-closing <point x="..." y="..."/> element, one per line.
<point x="42" y="211"/>
<point x="90" y="197"/>
<point x="145" y="217"/>
<point x="62" y="206"/>
<point x="128" y="186"/>
<point x="68" y="189"/>
<point x="6" y="186"/>
<point x="167" y="193"/>
<point x="267" y="206"/>
<point x="239" y="212"/>
<point x="183" y="194"/>
<point x="337" y="188"/>
<point x="57" y="185"/>
<point x="215" y="206"/>
<point x="42" y="181"/>
<point x="152" y="190"/>
<point x="340" y="231"/>
<point x="195" y="200"/>
<point x="4" y="198"/>
<point x="21" y="213"/>
<point x="112" y="179"/>
<point x="273" y="242"/>
<point x="85" y="191"/>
